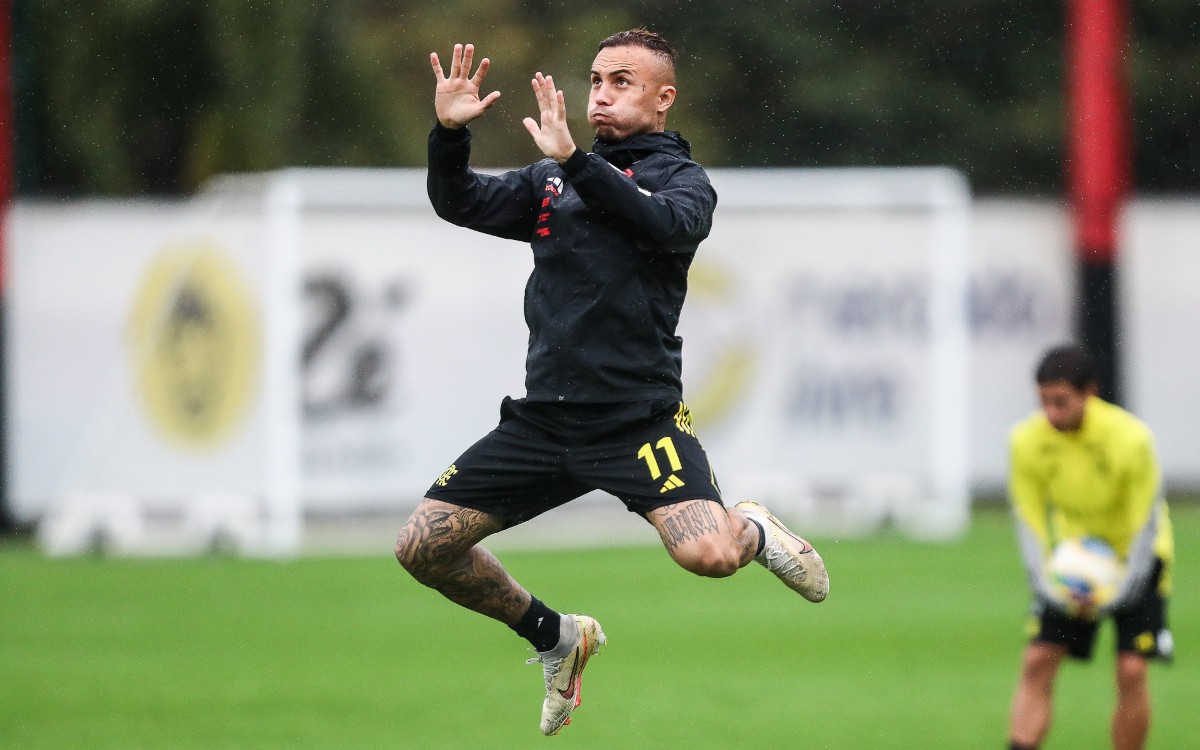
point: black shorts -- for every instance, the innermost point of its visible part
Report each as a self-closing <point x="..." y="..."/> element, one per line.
<point x="543" y="455"/>
<point x="1141" y="626"/>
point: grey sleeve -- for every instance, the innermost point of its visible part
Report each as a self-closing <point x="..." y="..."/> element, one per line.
<point x="1033" y="557"/>
<point x="1139" y="564"/>
<point x="1035" y="563"/>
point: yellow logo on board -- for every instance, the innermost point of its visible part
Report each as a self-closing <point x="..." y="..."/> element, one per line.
<point x="722" y="380"/>
<point x="195" y="344"/>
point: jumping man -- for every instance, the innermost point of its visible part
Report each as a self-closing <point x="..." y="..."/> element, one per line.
<point x="613" y="233"/>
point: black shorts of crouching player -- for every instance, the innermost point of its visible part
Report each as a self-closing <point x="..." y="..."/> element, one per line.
<point x="1141" y="626"/>
<point x="543" y="454"/>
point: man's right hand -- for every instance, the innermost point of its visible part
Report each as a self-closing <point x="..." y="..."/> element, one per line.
<point x="456" y="99"/>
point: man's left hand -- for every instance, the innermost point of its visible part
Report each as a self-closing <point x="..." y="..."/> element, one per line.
<point x="551" y="134"/>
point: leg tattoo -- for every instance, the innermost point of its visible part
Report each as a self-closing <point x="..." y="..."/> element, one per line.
<point x="439" y="547"/>
<point x="685" y="523"/>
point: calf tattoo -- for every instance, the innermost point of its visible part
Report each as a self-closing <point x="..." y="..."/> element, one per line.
<point x="439" y="547"/>
<point x="685" y="523"/>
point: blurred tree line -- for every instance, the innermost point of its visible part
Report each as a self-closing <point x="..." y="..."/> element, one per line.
<point x="154" y="96"/>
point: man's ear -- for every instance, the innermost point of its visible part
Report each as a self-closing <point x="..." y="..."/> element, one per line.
<point x="666" y="97"/>
<point x="1091" y="389"/>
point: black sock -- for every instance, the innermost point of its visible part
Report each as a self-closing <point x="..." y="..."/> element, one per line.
<point x="762" y="536"/>
<point x="1019" y="746"/>
<point x="540" y="625"/>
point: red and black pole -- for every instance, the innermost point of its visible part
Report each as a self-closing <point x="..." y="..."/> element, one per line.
<point x="1098" y="171"/>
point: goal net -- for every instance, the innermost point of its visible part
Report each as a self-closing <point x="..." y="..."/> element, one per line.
<point x="312" y="348"/>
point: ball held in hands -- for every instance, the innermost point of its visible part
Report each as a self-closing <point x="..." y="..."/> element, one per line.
<point x="1084" y="575"/>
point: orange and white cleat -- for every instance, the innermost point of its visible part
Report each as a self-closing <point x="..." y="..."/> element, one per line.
<point x="563" y="669"/>
<point x="788" y="556"/>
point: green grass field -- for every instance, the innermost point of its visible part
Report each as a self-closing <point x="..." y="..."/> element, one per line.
<point x="917" y="646"/>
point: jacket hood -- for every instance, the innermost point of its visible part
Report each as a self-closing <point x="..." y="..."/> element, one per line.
<point x="635" y="148"/>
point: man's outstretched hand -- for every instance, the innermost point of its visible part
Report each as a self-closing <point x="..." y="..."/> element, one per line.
<point x="550" y="134"/>
<point x="456" y="99"/>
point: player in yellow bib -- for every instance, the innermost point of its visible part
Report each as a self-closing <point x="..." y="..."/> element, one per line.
<point x="1082" y="467"/>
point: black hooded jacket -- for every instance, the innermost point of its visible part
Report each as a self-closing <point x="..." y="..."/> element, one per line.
<point x="613" y="234"/>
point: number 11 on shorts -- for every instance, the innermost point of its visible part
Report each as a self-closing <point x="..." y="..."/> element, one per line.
<point x="667" y="446"/>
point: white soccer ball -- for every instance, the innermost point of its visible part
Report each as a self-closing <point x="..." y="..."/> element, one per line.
<point x="1082" y="569"/>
